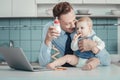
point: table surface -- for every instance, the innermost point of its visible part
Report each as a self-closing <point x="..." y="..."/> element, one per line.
<point x="111" y="72"/>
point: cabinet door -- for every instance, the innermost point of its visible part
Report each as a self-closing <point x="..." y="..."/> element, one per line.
<point x="94" y="1"/>
<point x="47" y="1"/>
<point x="57" y="1"/>
<point x="73" y="1"/>
<point x="5" y="8"/>
<point x="24" y="8"/>
<point x="113" y="1"/>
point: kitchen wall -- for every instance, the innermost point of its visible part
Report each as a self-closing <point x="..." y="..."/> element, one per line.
<point x="26" y="33"/>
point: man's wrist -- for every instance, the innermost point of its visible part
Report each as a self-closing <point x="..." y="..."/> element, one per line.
<point x="47" y="42"/>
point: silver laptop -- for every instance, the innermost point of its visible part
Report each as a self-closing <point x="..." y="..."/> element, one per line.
<point x="17" y="60"/>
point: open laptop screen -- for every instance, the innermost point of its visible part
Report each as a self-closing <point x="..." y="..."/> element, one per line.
<point x="16" y="59"/>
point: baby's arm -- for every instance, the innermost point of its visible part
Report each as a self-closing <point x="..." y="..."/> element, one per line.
<point x="74" y="44"/>
<point x="100" y="43"/>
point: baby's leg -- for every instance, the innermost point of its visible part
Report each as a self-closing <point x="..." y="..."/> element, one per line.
<point x="91" y="64"/>
<point x="71" y="59"/>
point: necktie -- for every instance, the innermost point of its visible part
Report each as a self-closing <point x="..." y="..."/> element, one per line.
<point x="68" y="49"/>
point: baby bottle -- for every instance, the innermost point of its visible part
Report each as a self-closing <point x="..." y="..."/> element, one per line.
<point x="57" y="24"/>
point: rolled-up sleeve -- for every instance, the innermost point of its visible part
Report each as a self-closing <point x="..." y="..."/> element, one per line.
<point x="45" y="51"/>
<point x="44" y="56"/>
<point x="104" y="57"/>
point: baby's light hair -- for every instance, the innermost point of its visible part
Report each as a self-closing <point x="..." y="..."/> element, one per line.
<point x="87" y="19"/>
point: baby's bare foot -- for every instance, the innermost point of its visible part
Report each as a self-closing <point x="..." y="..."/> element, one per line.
<point x="87" y="67"/>
<point x="91" y="64"/>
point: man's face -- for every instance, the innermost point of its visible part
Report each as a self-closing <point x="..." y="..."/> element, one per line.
<point x="67" y="22"/>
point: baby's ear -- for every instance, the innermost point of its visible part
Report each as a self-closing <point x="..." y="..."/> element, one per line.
<point x="90" y="27"/>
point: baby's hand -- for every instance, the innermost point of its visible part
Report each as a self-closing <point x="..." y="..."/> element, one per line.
<point x="76" y="36"/>
<point x="51" y="66"/>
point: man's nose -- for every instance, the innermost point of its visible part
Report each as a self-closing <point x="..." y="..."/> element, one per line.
<point x="73" y="25"/>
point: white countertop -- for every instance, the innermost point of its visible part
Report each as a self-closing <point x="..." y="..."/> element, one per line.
<point x="101" y="73"/>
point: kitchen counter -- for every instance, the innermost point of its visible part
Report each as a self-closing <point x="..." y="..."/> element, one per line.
<point x="101" y="73"/>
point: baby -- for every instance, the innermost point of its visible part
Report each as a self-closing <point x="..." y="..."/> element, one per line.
<point x="83" y="31"/>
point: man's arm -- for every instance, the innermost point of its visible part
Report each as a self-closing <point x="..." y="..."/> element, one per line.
<point x="49" y="33"/>
<point x="44" y="56"/>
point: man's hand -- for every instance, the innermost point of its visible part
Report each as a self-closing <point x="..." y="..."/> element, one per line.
<point x="87" y="45"/>
<point x="51" y="34"/>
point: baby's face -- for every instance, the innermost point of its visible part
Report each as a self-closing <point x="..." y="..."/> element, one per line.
<point x="83" y="29"/>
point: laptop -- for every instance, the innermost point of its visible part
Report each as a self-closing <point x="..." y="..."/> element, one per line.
<point x="16" y="59"/>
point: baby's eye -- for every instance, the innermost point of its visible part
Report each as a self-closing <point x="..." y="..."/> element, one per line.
<point x="77" y="28"/>
<point x="82" y="27"/>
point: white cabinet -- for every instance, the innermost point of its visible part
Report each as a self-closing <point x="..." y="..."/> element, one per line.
<point x="73" y="1"/>
<point x="5" y="8"/>
<point x="23" y="8"/>
<point x="113" y="1"/>
<point x="17" y="8"/>
<point x="79" y="1"/>
<point x="47" y="1"/>
<point x="57" y="1"/>
<point x="94" y="1"/>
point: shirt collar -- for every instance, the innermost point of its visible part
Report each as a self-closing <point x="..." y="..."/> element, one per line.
<point x="62" y="32"/>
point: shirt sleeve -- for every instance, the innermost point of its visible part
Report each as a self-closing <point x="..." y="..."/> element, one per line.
<point x="45" y="51"/>
<point x="74" y="45"/>
<point x="100" y="43"/>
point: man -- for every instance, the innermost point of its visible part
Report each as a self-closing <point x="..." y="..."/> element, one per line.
<point x="51" y="36"/>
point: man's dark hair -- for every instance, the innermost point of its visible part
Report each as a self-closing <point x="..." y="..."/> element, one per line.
<point x="61" y="8"/>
